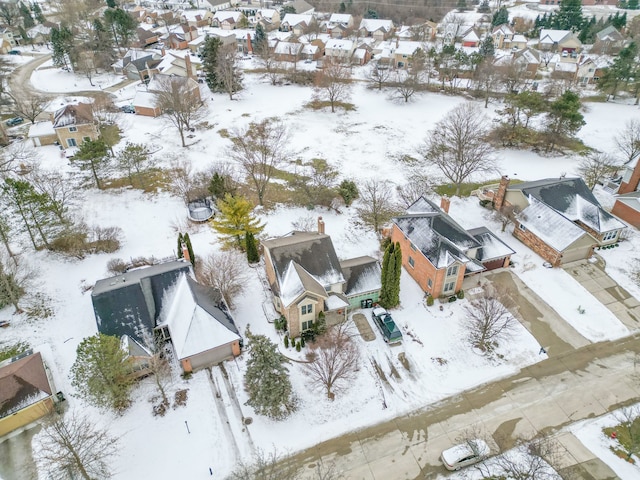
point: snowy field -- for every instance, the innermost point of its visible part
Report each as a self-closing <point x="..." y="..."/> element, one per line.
<point x="366" y="143"/>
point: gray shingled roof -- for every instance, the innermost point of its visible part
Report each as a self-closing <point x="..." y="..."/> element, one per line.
<point x="362" y="275"/>
<point x="492" y="247"/>
<point x="572" y="198"/>
<point x="435" y="234"/>
<point x="23" y="383"/>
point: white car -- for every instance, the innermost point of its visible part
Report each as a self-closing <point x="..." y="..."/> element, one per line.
<point x="465" y="454"/>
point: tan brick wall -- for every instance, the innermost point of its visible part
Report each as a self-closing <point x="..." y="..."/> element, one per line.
<point x="626" y="213"/>
<point x="63" y="134"/>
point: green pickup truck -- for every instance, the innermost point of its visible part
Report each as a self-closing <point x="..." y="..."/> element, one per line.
<point x="386" y="325"/>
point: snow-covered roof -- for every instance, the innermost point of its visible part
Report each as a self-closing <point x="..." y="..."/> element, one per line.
<point x="631" y="200"/>
<point x="23" y="382"/>
<point x="267" y="12"/>
<point x="551" y="227"/>
<point x="519" y="38"/>
<point x="144" y="99"/>
<point x="193" y="328"/>
<point x="339" y="44"/>
<point x="334" y="302"/>
<point x="293" y="19"/>
<point x="374" y="24"/>
<point x="40" y="129"/>
<point x="342" y="18"/>
<point x="222" y="15"/>
<point x="288" y="48"/>
<point x="297" y="281"/>
<point x="309" y="49"/>
<point x="407" y="48"/>
<point x="192" y="15"/>
<point x="570" y="67"/>
<point x="548" y="36"/>
<point x="79" y="114"/>
<point x="362" y="275"/>
<point x="472" y="36"/>
<point x="492" y="247"/>
<point x="505" y="29"/>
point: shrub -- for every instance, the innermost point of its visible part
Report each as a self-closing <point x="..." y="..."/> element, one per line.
<point x="452" y="298"/>
<point x="280" y="324"/>
<point x="302" y="342"/>
<point x="429" y="301"/>
<point x="298" y="347"/>
<point x="286" y="341"/>
<point x="460" y="294"/>
<point x="485" y="203"/>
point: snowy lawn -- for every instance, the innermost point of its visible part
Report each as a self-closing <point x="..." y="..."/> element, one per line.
<point x="49" y="78"/>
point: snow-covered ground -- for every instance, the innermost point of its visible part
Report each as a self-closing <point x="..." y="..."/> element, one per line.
<point x="369" y="142"/>
<point x="49" y="78"/>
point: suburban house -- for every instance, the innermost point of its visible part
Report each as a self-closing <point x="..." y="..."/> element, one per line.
<point x="403" y="52"/>
<point x="269" y="18"/>
<point x="179" y="65"/>
<point x="438" y="253"/>
<point x="42" y="133"/>
<point x="165" y="301"/>
<point x="590" y="69"/>
<point x="609" y="41"/>
<point x="306" y="278"/>
<point x="288" y="51"/>
<point x="471" y="39"/>
<point x="627" y="207"/>
<point x="145" y="101"/>
<point x="215" y="5"/>
<point x="630" y="177"/>
<point x="228" y="19"/>
<point x="138" y="64"/>
<point x="502" y="36"/>
<point x="26" y="391"/>
<point x="145" y="38"/>
<point x="197" y="18"/>
<point x="74" y="124"/>
<point x="296" y="23"/>
<point x="7" y="40"/>
<point x="339" y="24"/>
<point x="559" y="219"/>
<point x="559" y="41"/>
<point x="339" y="49"/>
<point x="376" y="28"/>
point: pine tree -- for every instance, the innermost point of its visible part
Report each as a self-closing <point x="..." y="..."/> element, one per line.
<point x="394" y="300"/>
<point x="569" y="15"/>
<point x="235" y="219"/>
<point x="61" y="45"/>
<point x="187" y="242"/>
<point x="348" y="190"/>
<point x="390" y="277"/>
<point x="37" y="12"/>
<point x="93" y="156"/>
<point x="101" y="371"/>
<point x="487" y="49"/>
<point x="180" y="240"/>
<point x="267" y="379"/>
<point x="260" y="38"/>
<point x="462" y="5"/>
<point x="210" y="51"/>
<point x="25" y="13"/>
<point x="500" y="17"/>
<point x="112" y="3"/>
<point x="252" y="249"/>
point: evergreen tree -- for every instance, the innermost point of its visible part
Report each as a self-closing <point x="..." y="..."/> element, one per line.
<point x="187" y="242"/>
<point x="210" y="51"/>
<point x="487" y="48"/>
<point x="180" y="240"/>
<point x="235" y="219"/>
<point x="632" y="5"/>
<point x="37" y="12"/>
<point x="619" y="73"/>
<point x="371" y="13"/>
<point x="252" y="249"/>
<point x="484" y="7"/>
<point x="348" y="190"/>
<point x="101" y="372"/>
<point x="122" y="25"/>
<point x="267" y="379"/>
<point x="564" y="118"/>
<point x="112" y="3"/>
<point x="342" y="8"/>
<point x="61" y="46"/>
<point x="390" y="277"/>
<point x="93" y="156"/>
<point x="569" y="15"/>
<point x="25" y="13"/>
<point x="461" y="6"/>
<point x="397" y="257"/>
<point x="260" y="39"/>
<point x="500" y="17"/>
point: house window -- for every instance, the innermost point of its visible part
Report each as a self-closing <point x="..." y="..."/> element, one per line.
<point x="448" y="287"/>
<point x="71" y="142"/>
<point x="453" y="270"/>
<point x="429" y="283"/>
<point x="610" y="236"/>
<point x="522" y="227"/>
<point x="411" y="262"/>
<point x="307" y="325"/>
<point x="73" y="129"/>
<point x="413" y="247"/>
<point x="307" y="309"/>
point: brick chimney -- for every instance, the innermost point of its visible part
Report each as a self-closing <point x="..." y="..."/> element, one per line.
<point x="187" y="65"/>
<point x="185" y="252"/>
<point x="320" y="226"/>
<point x="445" y="202"/>
<point x="249" y="46"/>
<point x="498" y="199"/>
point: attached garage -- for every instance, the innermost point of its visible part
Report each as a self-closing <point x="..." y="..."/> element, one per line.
<point x="493" y="253"/>
<point x="42" y="133"/>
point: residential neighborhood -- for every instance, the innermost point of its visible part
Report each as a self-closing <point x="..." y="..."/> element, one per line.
<point x="322" y="241"/>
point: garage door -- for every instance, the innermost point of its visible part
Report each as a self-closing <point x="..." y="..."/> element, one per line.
<point x="211" y="357"/>
<point x="575" y="254"/>
<point x="493" y="264"/>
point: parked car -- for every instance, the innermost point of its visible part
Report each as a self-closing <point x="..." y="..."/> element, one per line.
<point x="468" y="453"/>
<point x="128" y="109"/>
<point x="14" y="52"/>
<point x="386" y="325"/>
<point x="12" y="122"/>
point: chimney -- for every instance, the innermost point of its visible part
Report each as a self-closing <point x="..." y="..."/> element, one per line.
<point x="185" y="252"/>
<point x="249" y="46"/>
<point x="445" y="202"/>
<point x="498" y="199"/>
<point x="320" y="226"/>
<point x="163" y="51"/>
<point x="187" y="65"/>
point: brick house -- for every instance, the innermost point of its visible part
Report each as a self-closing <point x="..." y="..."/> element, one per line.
<point x="438" y="253"/>
<point x="630" y="177"/>
<point x="559" y="219"/>
<point x="377" y="28"/>
<point x="306" y="278"/>
<point x="74" y="124"/>
<point x="627" y="207"/>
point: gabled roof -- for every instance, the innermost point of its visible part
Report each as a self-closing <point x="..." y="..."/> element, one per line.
<point x="313" y="252"/>
<point x="197" y="318"/>
<point x="471" y="36"/>
<point x="440" y="239"/>
<point x="288" y="48"/>
<point x="362" y="275"/>
<point x="554" y="229"/>
<point x="293" y="19"/>
<point x="505" y="29"/>
<point x="228" y="15"/>
<point x="492" y="247"/>
<point x="23" y="383"/>
<point x="343" y="18"/>
<point x="553" y="36"/>
<point x="70" y="115"/>
<point x="374" y="24"/>
<point x="339" y="44"/>
<point x="631" y="200"/>
<point x="610" y="34"/>
<point x="297" y="281"/>
<point x="573" y="199"/>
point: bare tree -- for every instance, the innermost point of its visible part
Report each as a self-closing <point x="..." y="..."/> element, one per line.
<point x="628" y="417"/>
<point x="265" y="466"/>
<point x="179" y="101"/>
<point x="260" y="149"/>
<point x="29" y="105"/>
<point x="597" y="166"/>
<point x="379" y="75"/>
<point x="376" y="205"/>
<point x="333" y="83"/>
<point x="418" y="185"/>
<point x="489" y="320"/>
<point x="225" y="271"/>
<point x="505" y="215"/>
<point x="333" y="360"/>
<point x="546" y="56"/>
<point x="487" y="79"/>
<point x="273" y="69"/>
<point x="9" y="13"/>
<point x="513" y="75"/>
<point x="628" y="140"/>
<point x="228" y="71"/>
<point x="307" y="223"/>
<point x="406" y="85"/>
<point x="73" y="446"/>
<point x="62" y="191"/>
<point x="457" y="146"/>
<point x="159" y="366"/>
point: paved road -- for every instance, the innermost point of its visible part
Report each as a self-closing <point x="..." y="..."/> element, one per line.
<point x="563" y="389"/>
